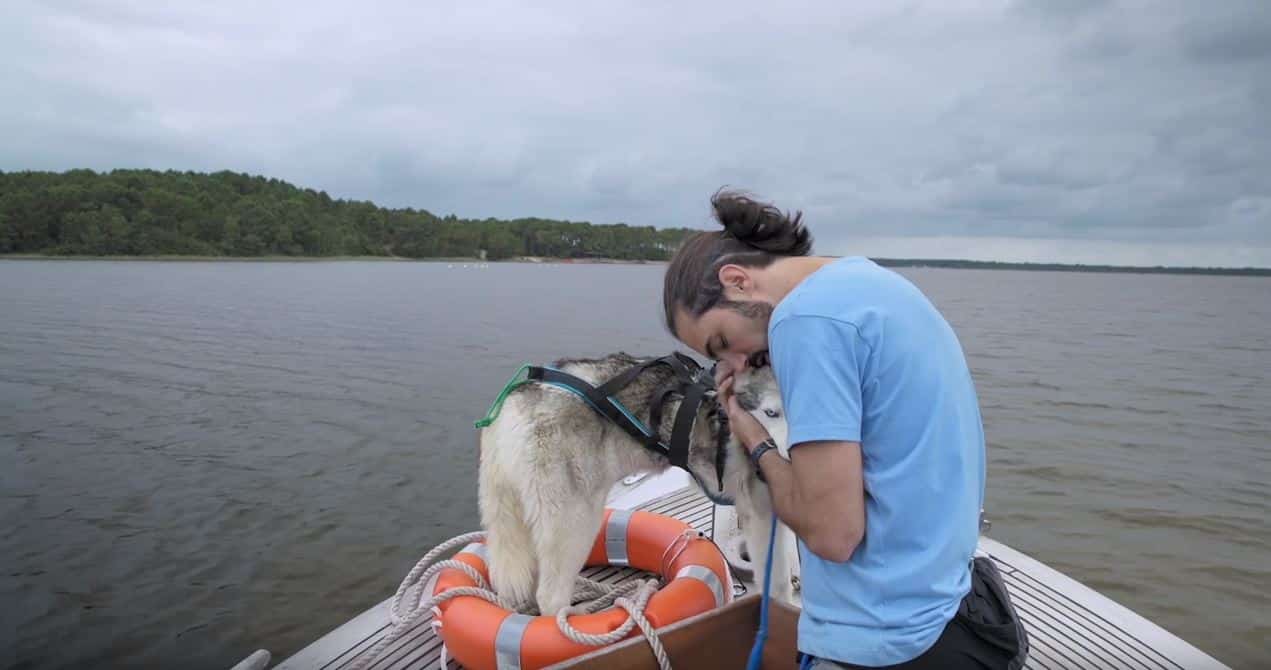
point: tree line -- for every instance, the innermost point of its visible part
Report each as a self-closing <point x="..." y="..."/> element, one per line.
<point x="147" y="212"/>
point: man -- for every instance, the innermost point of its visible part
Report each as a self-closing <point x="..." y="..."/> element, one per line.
<point x="886" y="477"/>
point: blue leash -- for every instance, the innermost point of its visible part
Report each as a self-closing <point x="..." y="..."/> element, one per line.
<point x="756" y="652"/>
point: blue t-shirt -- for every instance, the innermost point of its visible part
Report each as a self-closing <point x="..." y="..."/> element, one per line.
<point x="862" y="356"/>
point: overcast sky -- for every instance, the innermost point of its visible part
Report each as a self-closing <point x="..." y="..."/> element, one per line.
<point x="1071" y="130"/>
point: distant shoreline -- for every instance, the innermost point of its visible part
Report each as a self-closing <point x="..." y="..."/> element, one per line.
<point x="948" y="264"/>
<point x="320" y="259"/>
<point x="151" y="215"/>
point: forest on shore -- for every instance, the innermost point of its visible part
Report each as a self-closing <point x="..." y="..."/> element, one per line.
<point x="152" y="213"/>
<point x="149" y="213"/>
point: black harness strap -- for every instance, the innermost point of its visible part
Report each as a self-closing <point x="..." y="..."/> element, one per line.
<point x="690" y="381"/>
<point x="684" y="368"/>
<point x="620" y="381"/>
<point x="684" y="424"/>
<point x="598" y="402"/>
<point x="657" y="402"/>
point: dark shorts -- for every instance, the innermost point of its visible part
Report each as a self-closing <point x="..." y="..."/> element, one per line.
<point x="985" y="633"/>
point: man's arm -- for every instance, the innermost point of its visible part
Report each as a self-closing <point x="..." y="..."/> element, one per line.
<point x="820" y="495"/>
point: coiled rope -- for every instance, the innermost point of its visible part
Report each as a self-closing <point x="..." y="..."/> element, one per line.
<point x="408" y="606"/>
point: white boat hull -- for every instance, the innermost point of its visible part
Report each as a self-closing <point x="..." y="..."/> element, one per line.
<point x="1069" y="624"/>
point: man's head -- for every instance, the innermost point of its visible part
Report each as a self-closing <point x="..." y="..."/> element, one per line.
<point x="712" y="300"/>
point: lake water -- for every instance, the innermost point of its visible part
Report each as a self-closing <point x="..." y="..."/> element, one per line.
<point x="200" y="459"/>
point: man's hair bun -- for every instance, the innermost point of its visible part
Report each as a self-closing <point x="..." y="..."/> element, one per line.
<point x="761" y="225"/>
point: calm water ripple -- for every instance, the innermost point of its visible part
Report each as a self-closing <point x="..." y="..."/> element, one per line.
<point x="199" y="459"/>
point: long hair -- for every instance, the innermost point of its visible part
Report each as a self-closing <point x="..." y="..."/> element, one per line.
<point x="755" y="234"/>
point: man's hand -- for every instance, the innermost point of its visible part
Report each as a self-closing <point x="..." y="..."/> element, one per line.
<point x="744" y="427"/>
<point x="723" y="372"/>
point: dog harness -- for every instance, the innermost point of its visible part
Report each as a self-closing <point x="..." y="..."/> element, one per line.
<point x="692" y="383"/>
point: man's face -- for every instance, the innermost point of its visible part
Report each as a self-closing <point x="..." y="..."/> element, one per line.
<point x="734" y="333"/>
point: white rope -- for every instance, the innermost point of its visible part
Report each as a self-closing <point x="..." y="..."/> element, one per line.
<point x="408" y="606"/>
<point x="635" y="609"/>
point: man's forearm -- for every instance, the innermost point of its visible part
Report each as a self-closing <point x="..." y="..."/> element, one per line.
<point x="784" y="492"/>
<point x="829" y="519"/>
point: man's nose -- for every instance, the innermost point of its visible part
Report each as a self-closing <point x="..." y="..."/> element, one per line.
<point x="736" y="362"/>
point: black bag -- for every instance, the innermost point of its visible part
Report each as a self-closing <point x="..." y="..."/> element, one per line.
<point x="987" y="612"/>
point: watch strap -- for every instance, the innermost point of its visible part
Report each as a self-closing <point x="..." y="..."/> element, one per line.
<point x="758" y="452"/>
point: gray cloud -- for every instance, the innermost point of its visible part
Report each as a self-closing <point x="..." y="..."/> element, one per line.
<point x="1081" y="120"/>
<point x="1228" y="35"/>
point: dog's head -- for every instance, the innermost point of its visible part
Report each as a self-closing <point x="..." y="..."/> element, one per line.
<point x="757" y="393"/>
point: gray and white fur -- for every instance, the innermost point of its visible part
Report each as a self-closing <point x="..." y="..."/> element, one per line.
<point x="548" y="462"/>
<point x="758" y="394"/>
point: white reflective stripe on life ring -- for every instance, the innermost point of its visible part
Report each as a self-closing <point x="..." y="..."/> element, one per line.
<point x="507" y="642"/>
<point x="616" y="537"/>
<point x="478" y="549"/>
<point x="706" y="576"/>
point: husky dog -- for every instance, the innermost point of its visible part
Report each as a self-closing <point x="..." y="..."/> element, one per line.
<point x="757" y="393"/>
<point x="548" y="462"/>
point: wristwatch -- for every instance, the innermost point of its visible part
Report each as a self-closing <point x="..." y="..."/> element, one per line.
<point x="757" y="453"/>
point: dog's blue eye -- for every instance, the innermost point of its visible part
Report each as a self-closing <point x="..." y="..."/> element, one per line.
<point x="772" y="413"/>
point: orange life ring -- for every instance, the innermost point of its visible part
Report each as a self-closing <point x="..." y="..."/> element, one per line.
<point x="483" y="636"/>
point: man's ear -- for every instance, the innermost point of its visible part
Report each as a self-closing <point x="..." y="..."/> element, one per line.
<point x="737" y="283"/>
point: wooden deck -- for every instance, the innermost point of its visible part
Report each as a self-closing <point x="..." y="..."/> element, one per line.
<point x="1069" y="625"/>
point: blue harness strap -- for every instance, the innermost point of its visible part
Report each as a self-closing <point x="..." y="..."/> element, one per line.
<point x="602" y="400"/>
<point x="607" y="406"/>
<point x="613" y="401"/>
<point x="689" y="381"/>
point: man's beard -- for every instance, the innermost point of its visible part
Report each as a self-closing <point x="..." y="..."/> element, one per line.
<point x="751" y="309"/>
<point x="754" y="310"/>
